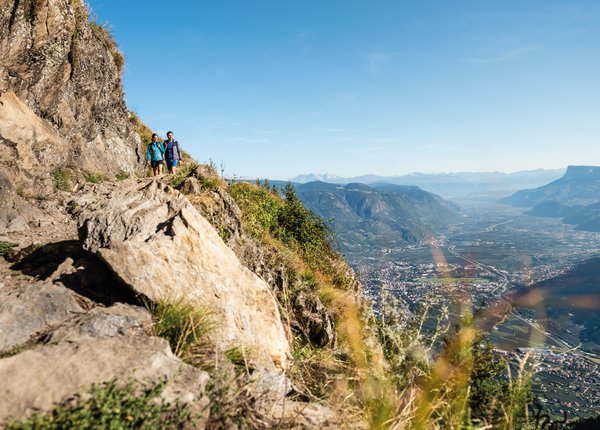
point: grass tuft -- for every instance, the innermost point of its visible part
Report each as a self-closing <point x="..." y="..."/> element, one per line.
<point x="62" y="179"/>
<point x="121" y="176"/>
<point x="185" y="326"/>
<point x="111" y="406"/>
<point x="95" y="178"/>
<point x="183" y="171"/>
<point x="5" y="247"/>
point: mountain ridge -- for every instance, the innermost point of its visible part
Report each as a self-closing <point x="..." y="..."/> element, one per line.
<point x="383" y="215"/>
<point x="452" y="185"/>
<point x="574" y="197"/>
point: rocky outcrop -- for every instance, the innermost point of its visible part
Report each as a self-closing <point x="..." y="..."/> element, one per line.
<point x="158" y="244"/>
<point x="57" y="338"/>
<point x="30" y="148"/>
<point x="66" y="368"/>
<point x="29" y="311"/>
<point x="55" y="343"/>
<point x="62" y="99"/>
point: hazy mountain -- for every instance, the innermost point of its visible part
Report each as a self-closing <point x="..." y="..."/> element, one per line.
<point x="570" y="303"/>
<point x="579" y="185"/>
<point x="451" y="185"/>
<point x="311" y="177"/>
<point x="384" y="215"/>
<point x="575" y="197"/>
<point x="587" y="218"/>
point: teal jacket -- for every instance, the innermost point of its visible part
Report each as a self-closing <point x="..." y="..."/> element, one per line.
<point x="156" y="151"/>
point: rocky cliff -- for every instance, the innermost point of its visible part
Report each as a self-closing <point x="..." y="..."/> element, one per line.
<point x="62" y="101"/>
<point x="156" y="283"/>
<point x="79" y="308"/>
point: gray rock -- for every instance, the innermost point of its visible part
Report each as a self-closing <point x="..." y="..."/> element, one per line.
<point x="100" y="323"/>
<point x="269" y="385"/>
<point x="314" y="320"/>
<point x="15" y="212"/>
<point x="300" y="415"/>
<point x="156" y="242"/>
<point x="36" y="380"/>
<point x="28" y="311"/>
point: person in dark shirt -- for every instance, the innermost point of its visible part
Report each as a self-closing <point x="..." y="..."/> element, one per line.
<point x="172" y="153"/>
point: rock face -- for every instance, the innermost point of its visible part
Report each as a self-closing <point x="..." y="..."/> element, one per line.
<point x="55" y="343"/>
<point x="156" y="242"/>
<point x="30" y="311"/>
<point x="64" y="99"/>
<point x="65" y="368"/>
<point x="30" y="148"/>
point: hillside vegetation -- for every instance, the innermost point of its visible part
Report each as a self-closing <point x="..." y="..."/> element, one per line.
<point x="378" y="369"/>
<point x="378" y="216"/>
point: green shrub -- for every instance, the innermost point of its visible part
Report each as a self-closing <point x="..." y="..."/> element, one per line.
<point x="185" y="326"/>
<point x="121" y="176"/>
<point x="110" y="406"/>
<point x="301" y="227"/>
<point x="183" y="172"/>
<point x="62" y="179"/>
<point x="260" y="208"/>
<point x="286" y="219"/>
<point x="5" y="247"/>
<point x="95" y="178"/>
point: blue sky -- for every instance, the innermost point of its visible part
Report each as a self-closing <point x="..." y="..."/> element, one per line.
<point x="275" y="88"/>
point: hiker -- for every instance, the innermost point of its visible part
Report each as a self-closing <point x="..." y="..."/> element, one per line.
<point x="172" y="153"/>
<point x="156" y="155"/>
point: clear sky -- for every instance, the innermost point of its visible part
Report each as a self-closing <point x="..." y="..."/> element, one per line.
<point x="275" y="88"/>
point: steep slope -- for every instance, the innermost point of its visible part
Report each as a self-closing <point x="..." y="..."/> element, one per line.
<point x="73" y="316"/>
<point x="574" y="197"/>
<point x="586" y="218"/>
<point x="62" y="101"/>
<point x="569" y="304"/>
<point x="579" y="185"/>
<point x="380" y="215"/>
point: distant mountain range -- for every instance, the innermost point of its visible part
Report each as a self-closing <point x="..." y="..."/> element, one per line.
<point x="451" y="185"/>
<point x="380" y="216"/>
<point x="575" y="198"/>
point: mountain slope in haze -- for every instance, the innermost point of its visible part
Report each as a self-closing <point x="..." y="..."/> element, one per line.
<point x="575" y="197"/>
<point x="579" y="185"/>
<point x="571" y="303"/>
<point x="452" y="185"/>
<point x="379" y="216"/>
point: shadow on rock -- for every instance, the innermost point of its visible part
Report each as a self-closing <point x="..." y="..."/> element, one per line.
<point x="69" y="264"/>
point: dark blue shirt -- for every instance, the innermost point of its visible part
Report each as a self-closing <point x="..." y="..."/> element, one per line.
<point x="172" y="151"/>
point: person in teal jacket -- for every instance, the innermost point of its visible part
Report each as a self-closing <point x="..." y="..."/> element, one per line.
<point x="156" y="155"/>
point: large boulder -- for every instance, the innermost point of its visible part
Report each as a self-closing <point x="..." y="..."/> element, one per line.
<point x="158" y="244"/>
<point x="36" y="380"/>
